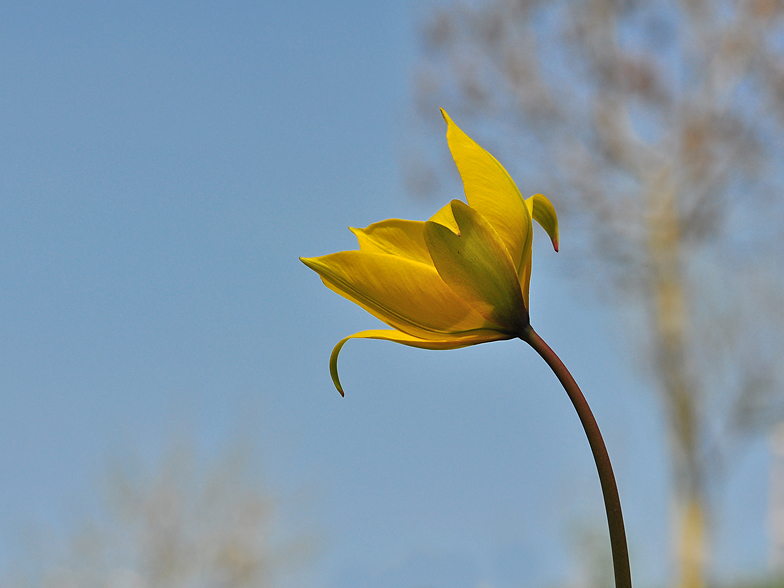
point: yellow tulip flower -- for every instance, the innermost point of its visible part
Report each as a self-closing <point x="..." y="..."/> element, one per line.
<point x="458" y="279"/>
<point x="462" y="278"/>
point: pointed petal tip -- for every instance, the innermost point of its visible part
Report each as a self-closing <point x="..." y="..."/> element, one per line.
<point x="555" y="245"/>
<point x="445" y="116"/>
<point x="310" y="262"/>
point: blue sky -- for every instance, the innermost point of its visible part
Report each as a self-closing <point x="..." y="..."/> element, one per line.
<point x="162" y="166"/>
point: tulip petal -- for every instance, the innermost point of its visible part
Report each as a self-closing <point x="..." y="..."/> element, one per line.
<point x="477" y="266"/>
<point x="452" y="342"/>
<point x="490" y="191"/>
<point x="405" y="294"/>
<point x="403" y="238"/>
<point x="543" y="212"/>
<point x="525" y="276"/>
<point x="445" y="217"/>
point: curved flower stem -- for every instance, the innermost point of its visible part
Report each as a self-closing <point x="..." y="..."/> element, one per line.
<point x="612" y="502"/>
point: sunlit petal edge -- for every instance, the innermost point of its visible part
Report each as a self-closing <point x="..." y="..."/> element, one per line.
<point x="451" y="342"/>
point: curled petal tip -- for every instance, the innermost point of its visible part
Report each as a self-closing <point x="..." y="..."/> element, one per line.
<point x="333" y="364"/>
<point x="543" y="212"/>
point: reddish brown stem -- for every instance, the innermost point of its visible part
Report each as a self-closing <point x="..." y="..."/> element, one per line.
<point x="612" y="502"/>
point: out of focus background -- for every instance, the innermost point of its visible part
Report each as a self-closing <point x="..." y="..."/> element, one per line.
<point x="166" y="414"/>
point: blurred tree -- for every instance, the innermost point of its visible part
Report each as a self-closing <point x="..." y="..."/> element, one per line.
<point x="184" y="525"/>
<point x="656" y="128"/>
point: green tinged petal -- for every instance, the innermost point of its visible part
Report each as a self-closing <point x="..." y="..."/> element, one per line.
<point x="543" y="212"/>
<point x="405" y="294"/>
<point x="451" y="342"/>
<point x="525" y="277"/>
<point x="491" y="191"/>
<point x="476" y="265"/>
